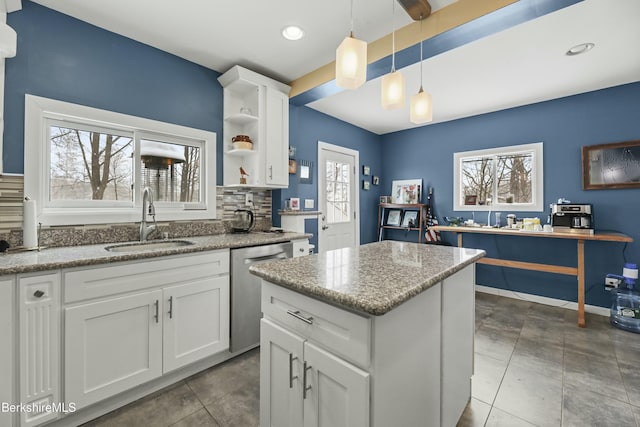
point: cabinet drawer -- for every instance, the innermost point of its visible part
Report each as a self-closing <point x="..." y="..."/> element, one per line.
<point x="300" y="247"/>
<point x="339" y="331"/>
<point x="87" y="283"/>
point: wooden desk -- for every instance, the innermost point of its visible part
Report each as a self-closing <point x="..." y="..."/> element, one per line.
<point x="558" y="269"/>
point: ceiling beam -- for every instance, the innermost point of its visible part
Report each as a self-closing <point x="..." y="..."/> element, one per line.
<point x="438" y="22"/>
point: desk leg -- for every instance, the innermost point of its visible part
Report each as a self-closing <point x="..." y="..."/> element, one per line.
<point x="581" y="321"/>
<point x="459" y="240"/>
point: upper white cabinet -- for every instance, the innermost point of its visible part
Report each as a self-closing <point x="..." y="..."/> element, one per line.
<point x="256" y="106"/>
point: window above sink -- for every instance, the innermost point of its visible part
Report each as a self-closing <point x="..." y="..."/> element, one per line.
<point x="89" y="166"/>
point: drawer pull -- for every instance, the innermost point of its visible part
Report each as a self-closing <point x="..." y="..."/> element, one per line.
<point x="305" y="388"/>
<point x="38" y="294"/>
<point x="297" y="315"/>
<point x="291" y="377"/>
<point x="157" y="304"/>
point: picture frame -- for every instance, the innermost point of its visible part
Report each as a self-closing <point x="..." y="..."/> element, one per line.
<point x="384" y="199"/>
<point x="306" y="171"/>
<point x="611" y="166"/>
<point x="470" y="199"/>
<point x="294" y="203"/>
<point x="293" y="167"/>
<point x="375" y="180"/>
<point x="365" y="185"/>
<point x="366" y="170"/>
<point x="409" y="219"/>
<point x="393" y="217"/>
<point x="406" y="191"/>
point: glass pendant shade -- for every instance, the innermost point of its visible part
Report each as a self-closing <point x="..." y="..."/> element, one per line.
<point x="351" y="63"/>
<point x="421" y="110"/>
<point x="393" y="91"/>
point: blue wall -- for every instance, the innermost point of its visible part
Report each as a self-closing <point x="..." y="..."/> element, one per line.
<point x="564" y="126"/>
<point x="306" y="128"/>
<point x="63" y="58"/>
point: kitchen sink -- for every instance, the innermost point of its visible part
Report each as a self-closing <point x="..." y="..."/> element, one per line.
<point x="145" y="246"/>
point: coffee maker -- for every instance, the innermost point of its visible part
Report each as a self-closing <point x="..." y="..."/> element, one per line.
<point x="572" y="217"/>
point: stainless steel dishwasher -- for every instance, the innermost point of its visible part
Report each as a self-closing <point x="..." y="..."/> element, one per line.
<point x="245" y="292"/>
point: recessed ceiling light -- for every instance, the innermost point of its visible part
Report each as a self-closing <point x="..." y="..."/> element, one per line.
<point x="292" y="32"/>
<point x="580" y="48"/>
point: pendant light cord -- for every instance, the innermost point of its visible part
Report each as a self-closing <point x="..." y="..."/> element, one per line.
<point x="393" y="37"/>
<point x="421" y="53"/>
<point x="351" y="18"/>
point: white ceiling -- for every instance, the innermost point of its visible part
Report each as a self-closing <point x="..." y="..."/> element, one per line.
<point x="519" y="66"/>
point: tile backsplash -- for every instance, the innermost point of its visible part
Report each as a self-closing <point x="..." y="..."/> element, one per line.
<point x="228" y="200"/>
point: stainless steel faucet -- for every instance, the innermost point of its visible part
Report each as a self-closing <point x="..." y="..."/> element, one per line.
<point x="147" y="198"/>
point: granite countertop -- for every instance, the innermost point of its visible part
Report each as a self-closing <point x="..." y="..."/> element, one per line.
<point x="298" y="212"/>
<point x="76" y="256"/>
<point x="372" y="278"/>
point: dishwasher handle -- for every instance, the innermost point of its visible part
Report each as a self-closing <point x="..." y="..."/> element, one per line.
<point x="281" y="255"/>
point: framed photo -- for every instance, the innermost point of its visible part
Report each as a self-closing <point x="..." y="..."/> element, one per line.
<point x="394" y="217"/>
<point x="383" y="199"/>
<point x="295" y="203"/>
<point x="470" y="199"/>
<point x="293" y="166"/>
<point x="410" y="219"/>
<point x="366" y="170"/>
<point x="406" y="191"/>
<point x="365" y="185"/>
<point x="306" y="171"/>
<point x="615" y="165"/>
<point x="375" y="180"/>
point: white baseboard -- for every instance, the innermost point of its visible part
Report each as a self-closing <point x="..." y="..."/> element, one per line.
<point x="601" y="311"/>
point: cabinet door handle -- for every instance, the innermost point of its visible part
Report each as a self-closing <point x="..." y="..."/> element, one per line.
<point x="291" y="377"/>
<point x="297" y="315"/>
<point x="171" y="307"/>
<point x="38" y="294"/>
<point x="156" y="316"/>
<point x="305" y="388"/>
<point x="270" y="172"/>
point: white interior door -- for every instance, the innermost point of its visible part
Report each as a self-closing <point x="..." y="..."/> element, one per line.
<point x="338" y="197"/>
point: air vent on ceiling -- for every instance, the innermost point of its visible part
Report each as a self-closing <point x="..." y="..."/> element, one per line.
<point x="417" y="9"/>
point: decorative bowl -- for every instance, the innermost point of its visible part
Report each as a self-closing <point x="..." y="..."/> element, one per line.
<point x="243" y="145"/>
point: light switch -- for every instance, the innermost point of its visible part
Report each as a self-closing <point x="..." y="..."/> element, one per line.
<point x="308" y="203"/>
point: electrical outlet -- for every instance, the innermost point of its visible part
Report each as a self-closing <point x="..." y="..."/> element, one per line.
<point x="611" y="283"/>
<point x="248" y="198"/>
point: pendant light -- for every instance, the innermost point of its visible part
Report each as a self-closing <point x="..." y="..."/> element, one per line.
<point x="351" y="61"/>
<point x="393" y="83"/>
<point x="421" y="110"/>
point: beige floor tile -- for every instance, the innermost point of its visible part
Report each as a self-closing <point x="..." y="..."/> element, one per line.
<point x="241" y="408"/>
<point x="201" y="418"/>
<point x="581" y="407"/>
<point x="161" y="410"/>
<point x="499" y="418"/>
<point x="488" y="373"/>
<point x="475" y="414"/>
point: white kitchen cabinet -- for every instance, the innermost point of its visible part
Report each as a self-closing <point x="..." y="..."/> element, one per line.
<point x="277" y="134"/>
<point x="304" y="385"/>
<point x="39" y="345"/>
<point x="112" y="346"/>
<point x="337" y="393"/>
<point x="256" y="106"/>
<point x="196" y="321"/>
<point x="6" y="350"/>
<point x="411" y="366"/>
<point x="281" y="353"/>
<point x="141" y="321"/>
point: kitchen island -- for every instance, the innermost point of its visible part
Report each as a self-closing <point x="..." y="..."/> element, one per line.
<point x="376" y="335"/>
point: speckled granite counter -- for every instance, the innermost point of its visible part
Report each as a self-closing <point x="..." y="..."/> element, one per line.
<point x="75" y="256"/>
<point x="372" y="278"/>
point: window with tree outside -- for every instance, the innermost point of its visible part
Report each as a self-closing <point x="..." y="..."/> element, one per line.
<point x="89" y="166"/>
<point x="506" y="178"/>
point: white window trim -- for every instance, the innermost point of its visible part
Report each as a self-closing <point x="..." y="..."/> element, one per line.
<point x="538" y="194"/>
<point x="37" y="112"/>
